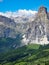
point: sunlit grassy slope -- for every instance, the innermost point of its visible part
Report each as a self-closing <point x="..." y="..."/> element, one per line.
<point x="32" y="54"/>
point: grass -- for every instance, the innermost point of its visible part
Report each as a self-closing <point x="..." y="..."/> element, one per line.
<point x="32" y="54"/>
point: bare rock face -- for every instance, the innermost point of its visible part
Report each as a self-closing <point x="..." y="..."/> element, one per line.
<point x="31" y="31"/>
<point x="42" y="9"/>
<point x="41" y="26"/>
<point x="38" y="31"/>
<point x="7" y="27"/>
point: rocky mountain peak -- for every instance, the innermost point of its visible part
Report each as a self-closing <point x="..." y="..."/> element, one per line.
<point x="42" y="9"/>
<point x="42" y="13"/>
<point x="29" y="29"/>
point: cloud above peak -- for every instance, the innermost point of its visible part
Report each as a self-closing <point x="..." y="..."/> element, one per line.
<point x="20" y="13"/>
<point x="26" y="11"/>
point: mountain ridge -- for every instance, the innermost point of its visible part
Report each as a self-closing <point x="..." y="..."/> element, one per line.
<point x="32" y="29"/>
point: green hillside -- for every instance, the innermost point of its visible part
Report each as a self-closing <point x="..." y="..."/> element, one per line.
<point x="7" y="44"/>
<point x="32" y="54"/>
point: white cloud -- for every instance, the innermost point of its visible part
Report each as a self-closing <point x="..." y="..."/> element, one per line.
<point x="18" y="13"/>
<point x="26" y="12"/>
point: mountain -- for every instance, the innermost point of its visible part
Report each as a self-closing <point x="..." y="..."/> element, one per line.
<point x="25" y="29"/>
<point x="7" y="27"/>
<point x="24" y="40"/>
<point x="38" y="29"/>
<point x="34" y="29"/>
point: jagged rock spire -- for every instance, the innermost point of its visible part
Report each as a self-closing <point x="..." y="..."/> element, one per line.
<point x="42" y="13"/>
<point x="42" y="9"/>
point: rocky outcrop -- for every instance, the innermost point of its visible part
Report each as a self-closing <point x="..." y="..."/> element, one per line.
<point x="32" y="29"/>
<point x="7" y="27"/>
<point x="41" y="25"/>
<point x="38" y="31"/>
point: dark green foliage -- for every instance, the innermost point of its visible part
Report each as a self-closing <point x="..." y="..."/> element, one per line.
<point x="47" y="63"/>
<point x="38" y="64"/>
<point x="7" y="44"/>
<point x="33" y="54"/>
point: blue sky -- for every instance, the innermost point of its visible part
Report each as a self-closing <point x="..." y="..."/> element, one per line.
<point x="13" y="5"/>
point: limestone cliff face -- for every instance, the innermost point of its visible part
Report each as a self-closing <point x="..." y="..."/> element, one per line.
<point x="38" y="31"/>
<point x="7" y="27"/>
<point x="41" y="26"/>
<point x="31" y="29"/>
